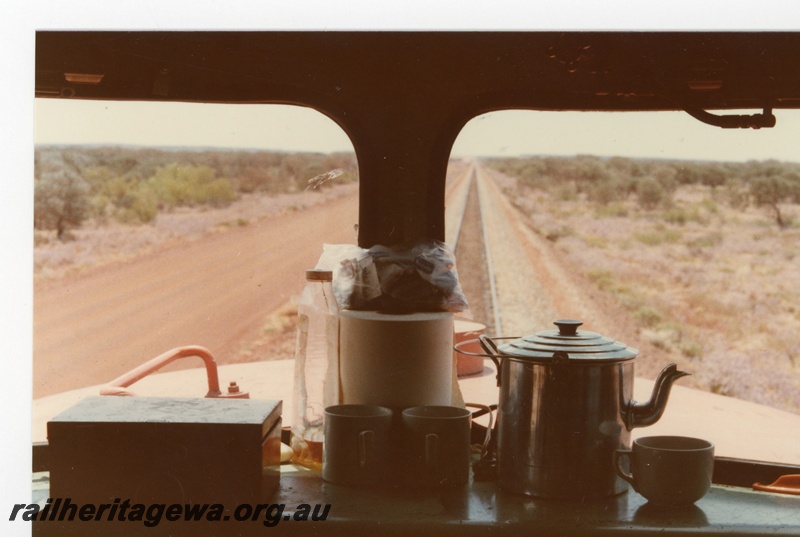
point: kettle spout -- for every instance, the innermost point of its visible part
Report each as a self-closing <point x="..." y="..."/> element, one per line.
<point x="644" y="414"/>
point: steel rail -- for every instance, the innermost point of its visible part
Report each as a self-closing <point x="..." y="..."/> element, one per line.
<point x="498" y="330"/>
<point x="470" y="174"/>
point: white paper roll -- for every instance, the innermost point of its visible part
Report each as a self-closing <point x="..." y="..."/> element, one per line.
<point x="396" y="361"/>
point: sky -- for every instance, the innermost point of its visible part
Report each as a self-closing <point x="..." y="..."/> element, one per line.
<point x="673" y="137"/>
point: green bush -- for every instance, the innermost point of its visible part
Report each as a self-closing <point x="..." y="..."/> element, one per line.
<point x="217" y="193"/>
<point x="566" y="191"/>
<point x="140" y="209"/>
<point x="604" y="279"/>
<point x="655" y="237"/>
<point x="680" y="215"/>
<point x="132" y="185"/>
<point x="676" y="215"/>
<point x="770" y="191"/>
<point x="179" y="185"/>
<point x="710" y="205"/>
<point x="691" y="349"/>
<point x="651" y="193"/>
<point x="60" y="201"/>
<point x="560" y="232"/>
<point x="737" y="194"/>
<point x="706" y="241"/>
<point x="648" y="316"/>
<point x="614" y="209"/>
<point x="606" y="191"/>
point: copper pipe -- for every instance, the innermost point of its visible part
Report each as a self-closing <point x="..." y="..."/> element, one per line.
<point x="118" y="385"/>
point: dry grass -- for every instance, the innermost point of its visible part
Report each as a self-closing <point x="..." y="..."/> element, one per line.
<point x="714" y="289"/>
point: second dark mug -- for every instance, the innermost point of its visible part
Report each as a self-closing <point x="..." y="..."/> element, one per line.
<point x="436" y="445"/>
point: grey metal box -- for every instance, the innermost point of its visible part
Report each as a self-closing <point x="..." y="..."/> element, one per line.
<point x="159" y="449"/>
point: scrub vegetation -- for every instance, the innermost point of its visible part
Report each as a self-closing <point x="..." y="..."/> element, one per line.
<point x="703" y="257"/>
<point x="100" y="204"/>
<point x="76" y="184"/>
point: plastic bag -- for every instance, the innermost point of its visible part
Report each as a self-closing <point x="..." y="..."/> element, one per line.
<point x="355" y="278"/>
<point x="420" y="278"/>
<point x="408" y="280"/>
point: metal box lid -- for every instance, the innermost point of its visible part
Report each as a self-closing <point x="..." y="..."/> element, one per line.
<point x="256" y="413"/>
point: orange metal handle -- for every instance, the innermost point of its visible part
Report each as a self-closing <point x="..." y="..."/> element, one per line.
<point x="118" y="385"/>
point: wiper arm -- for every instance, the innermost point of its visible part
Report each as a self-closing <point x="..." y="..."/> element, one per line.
<point x="738" y="121"/>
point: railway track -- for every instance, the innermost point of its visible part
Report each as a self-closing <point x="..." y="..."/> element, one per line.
<point x="512" y="277"/>
<point x="476" y="268"/>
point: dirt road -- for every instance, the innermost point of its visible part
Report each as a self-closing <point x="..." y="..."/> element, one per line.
<point x="216" y="292"/>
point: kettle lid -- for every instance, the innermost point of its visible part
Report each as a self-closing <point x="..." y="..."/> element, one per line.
<point x="579" y="345"/>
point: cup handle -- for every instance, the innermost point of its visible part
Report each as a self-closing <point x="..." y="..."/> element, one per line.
<point x="431" y="450"/>
<point x="619" y="454"/>
<point x="366" y="439"/>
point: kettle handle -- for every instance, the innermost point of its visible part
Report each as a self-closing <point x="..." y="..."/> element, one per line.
<point x="492" y="352"/>
<point x="489" y="346"/>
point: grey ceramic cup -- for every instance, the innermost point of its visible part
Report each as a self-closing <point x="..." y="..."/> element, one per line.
<point x="357" y="447"/>
<point x="436" y="445"/>
<point x="669" y="470"/>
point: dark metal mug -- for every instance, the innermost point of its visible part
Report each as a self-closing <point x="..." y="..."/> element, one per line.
<point x="436" y="445"/>
<point x="357" y="449"/>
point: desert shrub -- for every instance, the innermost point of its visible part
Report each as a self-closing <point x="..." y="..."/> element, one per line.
<point x="131" y="185"/>
<point x="714" y="176"/>
<point x="667" y="177"/>
<point x="60" y="201"/>
<point x="770" y="191"/>
<point x="558" y="233"/>
<point x="137" y="209"/>
<point x="532" y="172"/>
<point x="651" y="193"/>
<point x="606" y="191"/>
<point x="607" y="282"/>
<point x="710" y="206"/>
<point x="660" y="338"/>
<point x="691" y="349"/>
<point x="604" y="279"/>
<point x="697" y="173"/>
<point x="617" y="209"/>
<point x="566" y="191"/>
<point x="648" y="316"/>
<point x="737" y="194"/>
<point x="217" y="193"/>
<point x="40" y="238"/>
<point x="622" y="166"/>
<point x="678" y="215"/>
<point x="178" y="185"/>
<point x="682" y="214"/>
<point x="709" y="240"/>
<point x="687" y="173"/>
<point x="658" y="236"/>
<point x="595" y="241"/>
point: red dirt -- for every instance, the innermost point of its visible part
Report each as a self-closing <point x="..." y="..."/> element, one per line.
<point x="218" y="292"/>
